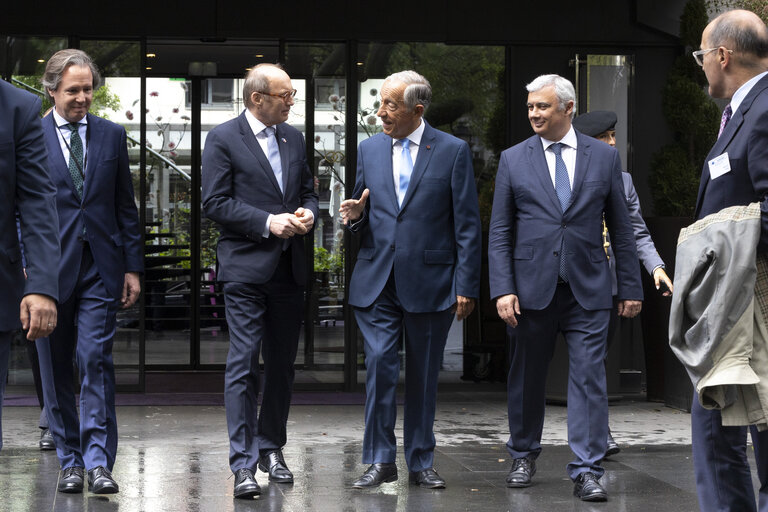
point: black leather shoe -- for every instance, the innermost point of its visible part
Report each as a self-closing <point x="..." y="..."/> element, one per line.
<point x="274" y="464"/>
<point x="377" y="474"/>
<point x="427" y="478"/>
<point x="71" y="480"/>
<point x="587" y="488"/>
<point x="100" y="481"/>
<point x="46" y="440"/>
<point x="521" y="473"/>
<point x="613" y="447"/>
<point x="246" y="486"/>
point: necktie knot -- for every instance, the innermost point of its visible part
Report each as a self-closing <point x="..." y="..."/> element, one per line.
<point x="73" y="126"/>
<point x="405" y="143"/>
<point x="557" y="148"/>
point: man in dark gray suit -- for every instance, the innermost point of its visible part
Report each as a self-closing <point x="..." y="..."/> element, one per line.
<point x="258" y="187"/>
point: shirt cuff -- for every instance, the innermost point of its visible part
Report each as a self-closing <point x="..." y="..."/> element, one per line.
<point x="265" y="233"/>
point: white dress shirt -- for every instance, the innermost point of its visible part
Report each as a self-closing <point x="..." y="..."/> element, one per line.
<point x="65" y="134"/>
<point x="257" y="127"/>
<point x="397" y="152"/>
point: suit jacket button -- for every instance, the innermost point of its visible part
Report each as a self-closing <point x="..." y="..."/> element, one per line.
<point x="562" y="225"/>
<point x="555" y="253"/>
<point x="399" y="219"/>
<point x="392" y="247"/>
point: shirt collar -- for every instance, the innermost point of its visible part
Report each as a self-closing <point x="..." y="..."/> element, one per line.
<point x="742" y="91"/>
<point x="60" y="121"/>
<point x="415" y="135"/>
<point x="256" y="126"/>
<point x="569" y="140"/>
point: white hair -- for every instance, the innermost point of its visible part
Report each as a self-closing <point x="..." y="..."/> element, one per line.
<point x="563" y="89"/>
<point x="417" y="88"/>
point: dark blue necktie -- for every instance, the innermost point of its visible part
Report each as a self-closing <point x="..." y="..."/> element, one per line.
<point x="563" y="191"/>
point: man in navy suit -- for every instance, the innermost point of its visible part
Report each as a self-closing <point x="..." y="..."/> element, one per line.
<point x="27" y="191"/>
<point x="101" y="259"/>
<point x="549" y="274"/>
<point x="734" y="56"/>
<point x="416" y="211"/>
<point x="258" y="187"/>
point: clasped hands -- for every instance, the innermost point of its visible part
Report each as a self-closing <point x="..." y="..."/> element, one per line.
<point x="286" y="225"/>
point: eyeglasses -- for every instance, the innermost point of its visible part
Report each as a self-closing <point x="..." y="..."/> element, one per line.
<point x="283" y="96"/>
<point x="698" y="55"/>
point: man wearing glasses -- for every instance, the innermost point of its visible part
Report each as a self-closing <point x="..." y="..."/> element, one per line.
<point x="734" y="57"/>
<point x="258" y="187"/>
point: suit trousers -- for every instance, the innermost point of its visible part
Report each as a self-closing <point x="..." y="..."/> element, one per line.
<point x="262" y="318"/>
<point x="6" y="337"/>
<point x="585" y="335"/>
<point x="723" y="477"/>
<point x="382" y="325"/>
<point x="34" y="363"/>
<point x="85" y="329"/>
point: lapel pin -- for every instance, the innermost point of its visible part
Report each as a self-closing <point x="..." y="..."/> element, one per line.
<point x="283" y="139"/>
<point x="429" y="147"/>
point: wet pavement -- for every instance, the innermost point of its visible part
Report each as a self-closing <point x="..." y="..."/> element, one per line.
<point x="174" y="458"/>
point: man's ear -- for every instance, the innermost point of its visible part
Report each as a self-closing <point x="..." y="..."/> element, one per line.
<point x="419" y="110"/>
<point x="569" y="107"/>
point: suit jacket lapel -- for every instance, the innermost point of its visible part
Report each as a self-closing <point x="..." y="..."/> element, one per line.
<point x="253" y="145"/>
<point x="731" y="129"/>
<point x="583" y="154"/>
<point x="55" y="155"/>
<point x="383" y="153"/>
<point x="541" y="169"/>
<point x="95" y="141"/>
<point x="426" y="149"/>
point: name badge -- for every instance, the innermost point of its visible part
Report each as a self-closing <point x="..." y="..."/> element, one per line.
<point x="719" y="166"/>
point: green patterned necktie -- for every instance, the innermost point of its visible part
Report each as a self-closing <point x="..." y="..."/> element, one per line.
<point x="76" y="158"/>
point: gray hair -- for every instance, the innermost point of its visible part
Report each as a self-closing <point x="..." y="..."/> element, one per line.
<point x="417" y="88"/>
<point x="740" y="31"/>
<point x="257" y="81"/>
<point x="58" y="64"/>
<point x="563" y="89"/>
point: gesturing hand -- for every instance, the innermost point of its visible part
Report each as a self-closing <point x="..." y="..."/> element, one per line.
<point x="352" y="209"/>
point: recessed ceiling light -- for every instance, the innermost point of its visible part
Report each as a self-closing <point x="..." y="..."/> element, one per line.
<point x="151" y="55"/>
<point x="148" y="67"/>
<point x="41" y="60"/>
<point x="259" y="55"/>
<point x="360" y="63"/>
